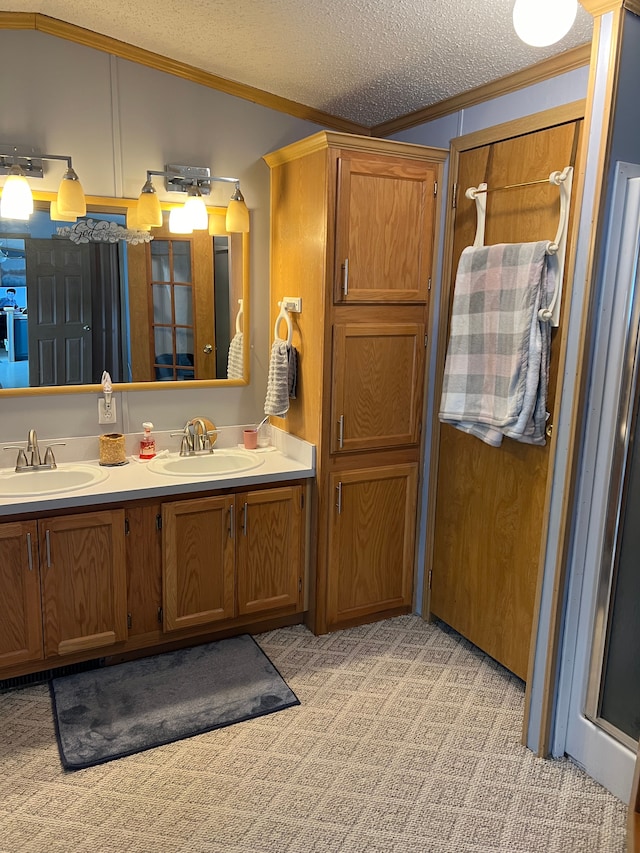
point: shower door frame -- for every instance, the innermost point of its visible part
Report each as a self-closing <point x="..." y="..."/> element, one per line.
<point x="625" y="280"/>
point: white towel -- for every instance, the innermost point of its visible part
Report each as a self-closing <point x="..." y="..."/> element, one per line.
<point x="292" y="355"/>
<point x="497" y="365"/>
<point x="235" y="361"/>
<point x="277" y="400"/>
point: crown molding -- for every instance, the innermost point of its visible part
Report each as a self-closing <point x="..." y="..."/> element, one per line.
<point x="601" y="7"/>
<point x="577" y="57"/>
<point x="555" y="65"/>
<point x="106" y="44"/>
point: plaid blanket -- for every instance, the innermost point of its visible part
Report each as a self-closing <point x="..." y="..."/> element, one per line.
<point x="497" y="366"/>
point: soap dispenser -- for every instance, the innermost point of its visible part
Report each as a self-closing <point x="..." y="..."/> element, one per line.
<point x="147" y="442"/>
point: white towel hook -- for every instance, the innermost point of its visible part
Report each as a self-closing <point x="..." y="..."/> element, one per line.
<point x="564" y="180"/>
<point x="239" y="316"/>
<point x="283" y="315"/>
<point x="479" y="193"/>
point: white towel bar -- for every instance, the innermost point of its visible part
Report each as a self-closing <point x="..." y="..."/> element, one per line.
<point x="557" y="247"/>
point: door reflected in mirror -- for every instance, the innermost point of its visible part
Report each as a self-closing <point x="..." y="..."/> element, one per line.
<point x="78" y="299"/>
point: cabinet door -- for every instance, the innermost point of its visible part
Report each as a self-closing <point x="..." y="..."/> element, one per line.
<point x="20" y="610"/>
<point x="385" y="216"/>
<point x="144" y="569"/>
<point x="84" y="582"/>
<point x="378" y="380"/>
<point x="269" y="552"/>
<point x="198" y="562"/>
<point x="371" y="541"/>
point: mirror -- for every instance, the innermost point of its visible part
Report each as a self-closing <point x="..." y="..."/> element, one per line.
<point x="152" y="309"/>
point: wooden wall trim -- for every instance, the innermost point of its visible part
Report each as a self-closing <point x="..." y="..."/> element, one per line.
<point x="577" y="57"/>
<point x="364" y="144"/>
<point x="601" y="7"/>
<point x="123" y="50"/>
<point x="587" y="322"/>
<point x="519" y="126"/>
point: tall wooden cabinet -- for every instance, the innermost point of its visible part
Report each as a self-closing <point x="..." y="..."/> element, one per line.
<point x="353" y="228"/>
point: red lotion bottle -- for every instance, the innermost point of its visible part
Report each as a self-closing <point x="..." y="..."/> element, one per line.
<point x="147" y="442"/>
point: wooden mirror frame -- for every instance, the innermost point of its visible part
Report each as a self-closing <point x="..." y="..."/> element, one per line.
<point x="106" y="204"/>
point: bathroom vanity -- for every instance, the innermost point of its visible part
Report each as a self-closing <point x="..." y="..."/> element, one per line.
<point x="145" y="560"/>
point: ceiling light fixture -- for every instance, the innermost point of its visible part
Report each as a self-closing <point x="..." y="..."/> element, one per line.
<point x="543" y="22"/>
<point x="193" y="215"/>
<point x="17" y="199"/>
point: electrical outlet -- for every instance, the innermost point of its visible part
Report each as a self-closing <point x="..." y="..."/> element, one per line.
<point x="106" y="414"/>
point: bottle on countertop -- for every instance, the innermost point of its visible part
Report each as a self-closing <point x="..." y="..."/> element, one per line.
<point x="147" y="442"/>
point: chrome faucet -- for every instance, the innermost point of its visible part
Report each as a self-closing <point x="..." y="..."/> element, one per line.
<point x="195" y="438"/>
<point x="200" y="437"/>
<point x="30" y="458"/>
<point x="33" y="449"/>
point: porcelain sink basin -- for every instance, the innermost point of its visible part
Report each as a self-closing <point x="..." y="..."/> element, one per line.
<point x="65" y="478"/>
<point x="214" y="464"/>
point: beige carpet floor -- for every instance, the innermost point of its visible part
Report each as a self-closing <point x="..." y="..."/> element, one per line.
<point x="407" y="741"/>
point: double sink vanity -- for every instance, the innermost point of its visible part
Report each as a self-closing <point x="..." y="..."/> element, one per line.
<point x="100" y="561"/>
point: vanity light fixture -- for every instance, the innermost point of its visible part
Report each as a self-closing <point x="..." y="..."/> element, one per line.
<point x="193" y="215"/>
<point x="17" y="199"/>
<point x="179" y="221"/>
<point x="543" y="22"/>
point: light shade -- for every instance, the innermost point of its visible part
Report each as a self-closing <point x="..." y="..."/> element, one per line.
<point x="543" y="22"/>
<point x="17" y="200"/>
<point x="196" y="211"/>
<point x="71" y="195"/>
<point x="149" y="211"/>
<point x="179" y="222"/>
<point x="237" y="213"/>
<point x="218" y="224"/>
<point x="58" y="215"/>
<point x="133" y="223"/>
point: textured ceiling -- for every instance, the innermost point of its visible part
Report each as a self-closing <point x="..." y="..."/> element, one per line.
<point x="368" y="61"/>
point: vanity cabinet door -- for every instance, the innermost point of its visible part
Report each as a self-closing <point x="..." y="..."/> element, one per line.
<point x="378" y="380"/>
<point x="144" y="569"/>
<point x="197" y="561"/>
<point x="371" y="541"/>
<point x="270" y="549"/>
<point x="20" y="610"/>
<point x="84" y="582"/>
<point x="385" y="218"/>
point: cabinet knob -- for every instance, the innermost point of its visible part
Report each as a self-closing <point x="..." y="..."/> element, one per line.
<point x="207" y="348"/>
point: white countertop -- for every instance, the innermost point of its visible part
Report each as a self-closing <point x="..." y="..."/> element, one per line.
<point x="290" y="458"/>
